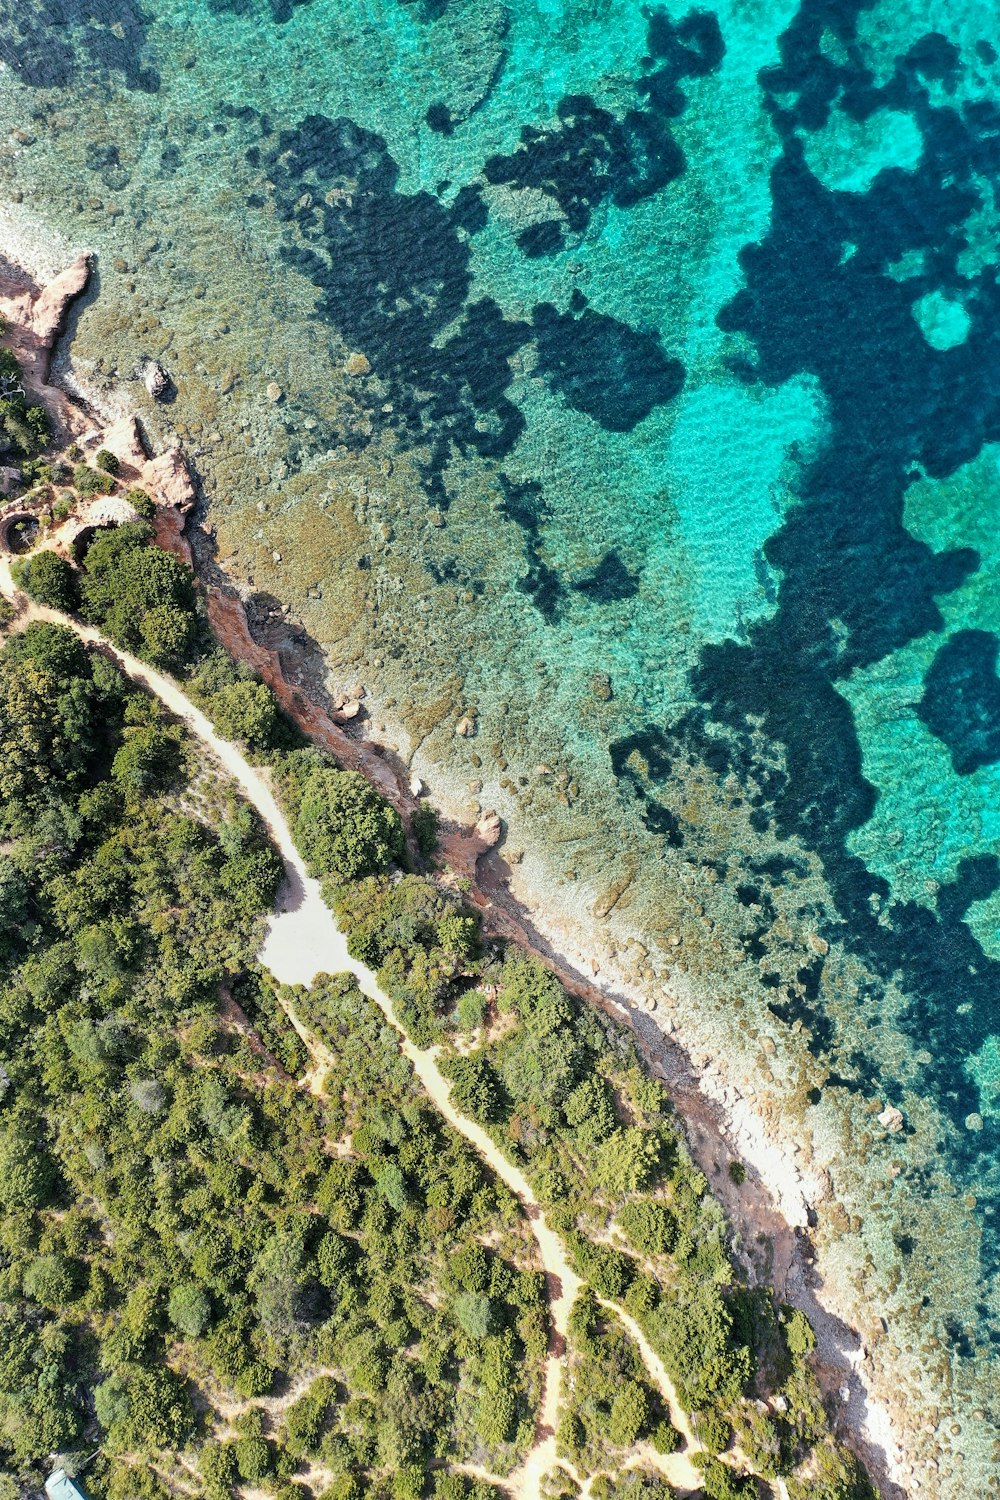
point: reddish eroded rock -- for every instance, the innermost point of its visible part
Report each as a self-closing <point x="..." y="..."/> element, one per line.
<point x="124" y="440"/>
<point x="168" y="479"/>
<point x="49" y="308"/>
<point x="462" y="848"/>
<point x="229" y="621"/>
<point x="35" y="315"/>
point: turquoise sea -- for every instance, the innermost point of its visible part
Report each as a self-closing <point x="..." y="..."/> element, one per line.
<point x="639" y="372"/>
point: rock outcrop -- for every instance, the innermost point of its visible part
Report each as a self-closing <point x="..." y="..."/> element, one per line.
<point x="49" y="308"/>
<point x="34" y="317"/>
<point x="168" y="479"/>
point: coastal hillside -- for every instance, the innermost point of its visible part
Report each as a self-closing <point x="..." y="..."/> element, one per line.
<point x="309" y="1187"/>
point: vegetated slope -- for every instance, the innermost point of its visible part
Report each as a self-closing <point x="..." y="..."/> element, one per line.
<point x="183" y="1230"/>
<point x="562" y="1093"/>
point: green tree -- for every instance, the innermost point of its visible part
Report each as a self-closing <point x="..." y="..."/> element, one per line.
<point x="144" y="1408"/>
<point x="149" y="760"/>
<point x="141" y="595"/>
<point x="189" y="1309"/>
<point x="48" y="578"/>
<point x="50" y="1280"/>
<point x="246" y="711"/>
<point x="26" y="1171"/>
<point x="344" y="828"/>
<point x="166" y="634"/>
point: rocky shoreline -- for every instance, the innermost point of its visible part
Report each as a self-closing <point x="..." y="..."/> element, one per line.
<point x="775" y="1205"/>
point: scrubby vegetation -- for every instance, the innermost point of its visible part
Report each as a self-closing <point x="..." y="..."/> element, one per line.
<point x="612" y="1405"/>
<point x="176" y="1216"/>
<point x="48" y="578"/>
<point x="24" y="428"/>
<point x="257" y="1281"/>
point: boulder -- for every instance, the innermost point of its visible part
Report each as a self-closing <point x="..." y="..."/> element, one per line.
<point x="891" y="1119"/>
<point x="489" y="828"/>
<point x="168" y="480"/>
<point x="156" y="379"/>
<point x="10" y="480"/>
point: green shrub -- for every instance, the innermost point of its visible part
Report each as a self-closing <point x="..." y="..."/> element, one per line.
<point x="217" y="1463"/>
<point x="737" y="1172"/>
<point x="799" y="1335"/>
<point x="629" y="1414"/>
<point x="108" y="461"/>
<point x="720" y="1482"/>
<point x="142" y="503"/>
<point x="649" y="1226"/>
<point x="253" y="1458"/>
<point x="664" y="1437"/>
<point x="424" y="823"/>
<point x="26" y="1173"/>
<point x="627" y="1161"/>
<point x="347" y="1487"/>
<point x="344" y="828"/>
<point x="189" y="1309"/>
<point x="90" y="482"/>
<point x="245" y="711"/>
<point x="712" y="1431"/>
<point x="474" y="1313"/>
<point x="48" y="578"/>
<point x="142" y="1408"/>
<point x="51" y="1281"/>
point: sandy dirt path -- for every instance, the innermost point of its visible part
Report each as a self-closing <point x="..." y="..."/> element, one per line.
<point x="303" y="940"/>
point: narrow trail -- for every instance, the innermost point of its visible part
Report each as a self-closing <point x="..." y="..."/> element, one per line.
<point x="303" y="941"/>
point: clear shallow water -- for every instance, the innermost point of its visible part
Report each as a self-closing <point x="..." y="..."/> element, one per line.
<point x="676" y="459"/>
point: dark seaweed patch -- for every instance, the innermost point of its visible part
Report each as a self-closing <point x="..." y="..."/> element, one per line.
<point x="613" y="373"/>
<point x="642" y="762"/>
<point x="610" y="581"/>
<point x="281" y="10"/>
<point x="591" y="155"/>
<point x="961" y="702"/>
<point x="393" y="270"/>
<point x="525" y="505"/>
<point x="439" y="118"/>
<point x="47" y="43"/>
<point x="543" y="238"/>
<point x="105" y="160"/>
